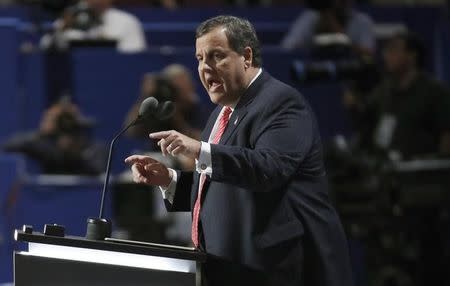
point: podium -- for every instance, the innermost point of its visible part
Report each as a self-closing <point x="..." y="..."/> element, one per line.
<point x="73" y="261"/>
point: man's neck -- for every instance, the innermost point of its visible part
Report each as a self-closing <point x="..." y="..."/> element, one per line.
<point x="250" y="76"/>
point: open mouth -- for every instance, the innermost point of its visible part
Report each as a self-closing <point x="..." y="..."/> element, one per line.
<point x="213" y="84"/>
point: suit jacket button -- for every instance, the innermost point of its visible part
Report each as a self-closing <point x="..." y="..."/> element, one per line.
<point x="203" y="166"/>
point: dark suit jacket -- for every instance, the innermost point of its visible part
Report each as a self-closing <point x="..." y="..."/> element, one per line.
<point x="268" y="189"/>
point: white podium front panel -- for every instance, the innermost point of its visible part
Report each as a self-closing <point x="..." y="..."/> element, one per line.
<point x="111" y="257"/>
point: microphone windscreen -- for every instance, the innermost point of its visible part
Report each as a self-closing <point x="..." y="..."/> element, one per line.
<point x="148" y="107"/>
<point x="166" y="110"/>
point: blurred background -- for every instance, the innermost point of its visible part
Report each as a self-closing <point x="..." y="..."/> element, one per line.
<point x="376" y="72"/>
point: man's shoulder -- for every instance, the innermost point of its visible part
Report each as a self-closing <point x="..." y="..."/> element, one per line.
<point x="276" y="89"/>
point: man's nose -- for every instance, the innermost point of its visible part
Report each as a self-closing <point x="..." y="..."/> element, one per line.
<point x="205" y="65"/>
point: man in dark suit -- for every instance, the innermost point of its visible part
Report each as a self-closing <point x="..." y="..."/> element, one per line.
<point x="259" y="195"/>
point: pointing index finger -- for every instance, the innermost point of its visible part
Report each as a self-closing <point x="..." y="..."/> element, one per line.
<point x="159" y="135"/>
<point x="139" y="159"/>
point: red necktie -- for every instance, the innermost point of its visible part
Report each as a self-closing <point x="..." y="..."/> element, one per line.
<point x="223" y="121"/>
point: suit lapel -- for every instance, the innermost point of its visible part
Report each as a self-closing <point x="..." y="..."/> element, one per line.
<point x="241" y="108"/>
<point x="235" y="119"/>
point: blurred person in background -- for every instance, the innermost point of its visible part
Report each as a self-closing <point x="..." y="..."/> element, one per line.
<point x="173" y="83"/>
<point x="61" y="145"/>
<point x="97" y="20"/>
<point x="331" y="17"/>
<point x="408" y="113"/>
<point x="405" y="117"/>
<point x="152" y="85"/>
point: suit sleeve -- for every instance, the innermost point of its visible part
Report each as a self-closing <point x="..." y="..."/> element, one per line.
<point x="182" y="197"/>
<point x="279" y="143"/>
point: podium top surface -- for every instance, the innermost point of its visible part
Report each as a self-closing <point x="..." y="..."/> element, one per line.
<point x="115" y="246"/>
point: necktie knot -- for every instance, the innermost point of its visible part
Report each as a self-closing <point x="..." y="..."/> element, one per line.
<point x="223" y="122"/>
<point x="226" y="113"/>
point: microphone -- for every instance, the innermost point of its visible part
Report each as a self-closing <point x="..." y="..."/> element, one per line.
<point x="148" y="108"/>
<point x="99" y="228"/>
<point x="166" y="111"/>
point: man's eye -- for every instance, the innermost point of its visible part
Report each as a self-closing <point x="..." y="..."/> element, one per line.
<point x="219" y="56"/>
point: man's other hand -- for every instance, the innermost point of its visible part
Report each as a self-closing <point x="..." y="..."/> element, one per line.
<point x="149" y="171"/>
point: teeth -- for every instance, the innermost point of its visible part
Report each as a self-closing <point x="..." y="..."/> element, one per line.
<point x="213" y="83"/>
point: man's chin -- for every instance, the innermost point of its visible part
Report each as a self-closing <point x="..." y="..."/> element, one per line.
<point x="216" y="98"/>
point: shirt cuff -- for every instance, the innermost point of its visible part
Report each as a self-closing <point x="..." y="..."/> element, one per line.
<point x="203" y="164"/>
<point x="168" y="193"/>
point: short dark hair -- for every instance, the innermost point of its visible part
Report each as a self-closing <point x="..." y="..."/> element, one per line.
<point x="240" y="34"/>
<point x="413" y="44"/>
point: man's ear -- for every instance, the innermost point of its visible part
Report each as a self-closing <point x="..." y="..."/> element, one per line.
<point x="248" y="57"/>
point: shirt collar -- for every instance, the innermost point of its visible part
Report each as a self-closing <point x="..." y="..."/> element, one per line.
<point x="233" y="106"/>
<point x="256" y="76"/>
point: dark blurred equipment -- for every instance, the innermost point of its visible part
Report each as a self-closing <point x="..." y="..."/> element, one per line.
<point x="363" y="73"/>
<point x="332" y="70"/>
<point x="398" y="209"/>
<point x="333" y="57"/>
<point x="82" y="16"/>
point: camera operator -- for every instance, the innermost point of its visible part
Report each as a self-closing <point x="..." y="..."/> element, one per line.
<point x="96" y="20"/>
<point x="61" y="145"/>
<point x="407" y="114"/>
<point x="331" y="17"/>
<point x="152" y="85"/>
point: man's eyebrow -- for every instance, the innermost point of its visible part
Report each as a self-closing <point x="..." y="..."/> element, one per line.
<point x="211" y="51"/>
<point x="216" y="49"/>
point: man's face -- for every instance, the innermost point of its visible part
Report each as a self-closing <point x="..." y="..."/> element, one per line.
<point x="396" y="57"/>
<point x="221" y="69"/>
